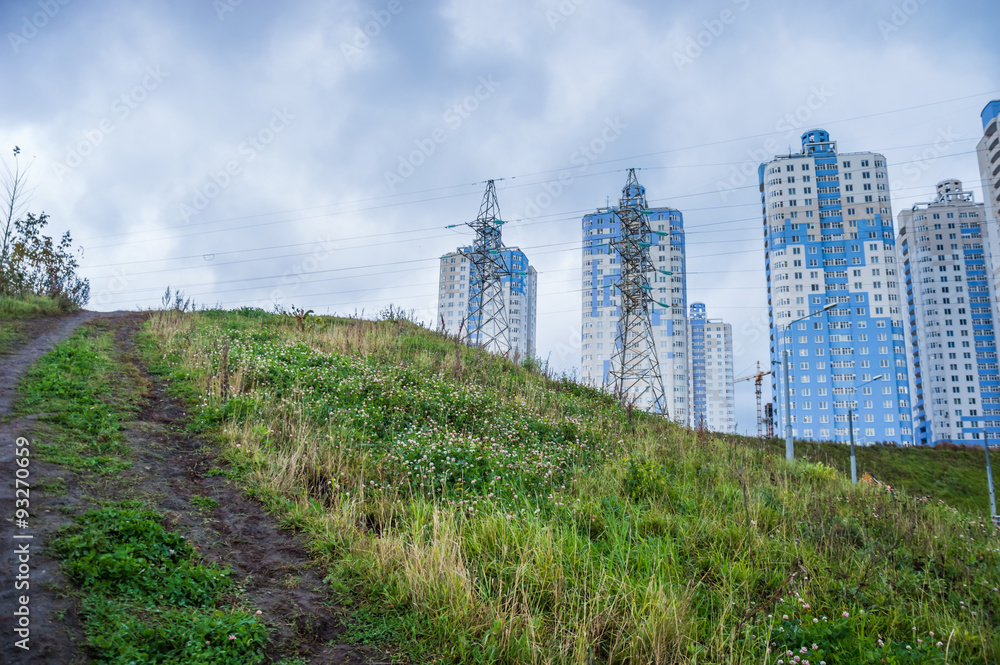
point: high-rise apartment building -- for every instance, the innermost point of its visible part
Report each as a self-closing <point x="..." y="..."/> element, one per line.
<point x="601" y="306"/>
<point x="989" y="170"/>
<point x="829" y="241"/>
<point x="949" y="289"/>
<point x="520" y="297"/>
<point x="712" y="384"/>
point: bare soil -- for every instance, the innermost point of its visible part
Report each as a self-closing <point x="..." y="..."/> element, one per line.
<point x="169" y="467"/>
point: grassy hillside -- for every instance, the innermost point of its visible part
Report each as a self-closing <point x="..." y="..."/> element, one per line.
<point x="957" y="477"/>
<point x="486" y="514"/>
<point x="13" y="307"/>
<point x="13" y="314"/>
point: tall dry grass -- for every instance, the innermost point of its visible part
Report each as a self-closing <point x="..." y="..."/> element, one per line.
<point x="674" y="547"/>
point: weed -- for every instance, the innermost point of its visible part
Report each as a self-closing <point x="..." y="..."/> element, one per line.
<point x="11" y="333"/>
<point x="147" y="598"/>
<point x="206" y="503"/>
<point x="30" y="305"/>
<point x="54" y="486"/>
<point x="487" y="513"/>
<point x="87" y="393"/>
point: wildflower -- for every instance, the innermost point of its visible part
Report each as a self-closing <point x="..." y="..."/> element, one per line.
<point x="232" y="637"/>
<point x="845" y="615"/>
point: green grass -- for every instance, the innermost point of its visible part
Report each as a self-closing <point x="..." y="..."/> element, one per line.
<point x="205" y="503"/>
<point x="147" y="598"/>
<point x="957" y="477"/>
<point x="86" y="393"/>
<point x="483" y="513"/>
<point x="12" y="332"/>
<point x="30" y="306"/>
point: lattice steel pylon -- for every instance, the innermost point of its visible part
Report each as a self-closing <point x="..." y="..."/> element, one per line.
<point x="487" y="326"/>
<point x="635" y="366"/>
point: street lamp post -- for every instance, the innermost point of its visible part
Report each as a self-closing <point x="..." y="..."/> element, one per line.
<point x="850" y="427"/>
<point x="989" y="475"/>
<point x="789" y="444"/>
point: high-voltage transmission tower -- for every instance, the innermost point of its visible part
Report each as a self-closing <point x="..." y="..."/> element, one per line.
<point x="487" y="326"/>
<point x="635" y="366"/>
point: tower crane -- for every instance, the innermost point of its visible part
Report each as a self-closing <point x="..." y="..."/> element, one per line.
<point x="758" y="380"/>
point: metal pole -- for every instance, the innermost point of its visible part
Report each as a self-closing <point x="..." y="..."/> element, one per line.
<point x="789" y="444"/>
<point x="989" y="475"/>
<point x="854" y="460"/>
<point x="850" y="423"/>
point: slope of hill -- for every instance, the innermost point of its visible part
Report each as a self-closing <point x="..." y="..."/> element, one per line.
<point x="957" y="477"/>
<point x="485" y="513"/>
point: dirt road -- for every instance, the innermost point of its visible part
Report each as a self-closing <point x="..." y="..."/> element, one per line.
<point x="169" y="468"/>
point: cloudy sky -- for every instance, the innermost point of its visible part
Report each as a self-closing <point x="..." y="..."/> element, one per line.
<point x="315" y="153"/>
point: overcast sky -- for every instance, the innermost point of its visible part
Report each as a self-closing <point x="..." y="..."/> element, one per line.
<point x="223" y="147"/>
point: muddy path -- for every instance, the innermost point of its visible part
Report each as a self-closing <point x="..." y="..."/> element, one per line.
<point x="42" y="335"/>
<point x="177" y="474"/>
<point x="52" y="616"/>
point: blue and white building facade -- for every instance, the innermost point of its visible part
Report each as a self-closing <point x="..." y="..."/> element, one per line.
<point x="712" y="383"/>
<point x="988" y="152"/>
<point x="520" y="297"/>
<point x="828" y="239"/>
<point x="601" y="309"/>
<point x="949" y="289"/>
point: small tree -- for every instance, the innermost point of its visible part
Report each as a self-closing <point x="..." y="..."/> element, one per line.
<point x="31" y="262"/>
<point x="37" y="264"/>
<point x="16" y="195"/>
